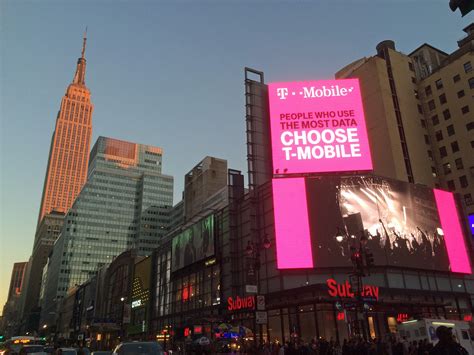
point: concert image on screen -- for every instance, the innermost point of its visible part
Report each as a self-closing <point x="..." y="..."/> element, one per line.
<point x="400" y="221"/>
<point x="319" y="220"/>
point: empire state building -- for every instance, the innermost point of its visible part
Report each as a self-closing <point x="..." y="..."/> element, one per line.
<point x="70" y="144"/>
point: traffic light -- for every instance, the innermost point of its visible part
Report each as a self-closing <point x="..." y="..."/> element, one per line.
<point x="369" y="259"/>
<point x="465" y="6"/>
<point x="357" y="261"/>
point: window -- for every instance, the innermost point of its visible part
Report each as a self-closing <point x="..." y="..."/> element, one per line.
<point x="472" y="144"/>
<point x="439" y="135"/>
<point x="428" y="90"/>
<point x="410" y="66"/>
<point x="470" y="126"/>
<point x="456" y="78"/>
<point x="451" y="186"/>
<point x="455" y="147"/>
<point x="443" y="152"/>
<point x="442" y="99"/>
<point x="471" y="83"/>
<point x="465" y="110"/>
<point x="430" y="154"/>
<point x="427" y="139"/>
<point x="460" y="94"/>
<point x="447" y="168"/>
<point x="435" y="120"/>
<point x="450" y="130"/>
<point x="423" y="123"/>
<point x="420" y="109"/>
<point x="463" y="181"/>
<point x="431" y="105"/>
<point x="413" y="80"/>
<point x="467" y="67"/>
<point x="459" y="164"/>
<point x="439" y="84"/>
<point x="446" y="114"/>
<point x="468" y="199"/>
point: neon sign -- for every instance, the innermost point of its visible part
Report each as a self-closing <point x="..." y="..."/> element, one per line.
<point x="402" y="317"/>
<point x="345" y="290"/>
<point x="318" y="126"/>
<point x="240" y="303"/>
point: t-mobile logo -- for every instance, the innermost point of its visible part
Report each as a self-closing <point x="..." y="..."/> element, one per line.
<point x="282" y="93"/>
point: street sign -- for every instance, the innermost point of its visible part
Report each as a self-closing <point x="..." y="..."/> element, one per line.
<point x="260" y="303"/>
<point x="251" y="288"/>
<point x="261" y="317"/>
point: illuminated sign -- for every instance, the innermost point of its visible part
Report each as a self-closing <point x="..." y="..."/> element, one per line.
<point x="241" y="303"/>
<point x="467" y="317"/>
<point x="198" y="329"/>
<point x="345" y="290"/>
<point x="452" y="231"/>
<point x="136" y="303"/>
<point x="402" y="317"/>
<point x="318" y="126"/>
<point x="341" y="316"/>
<point x="318" y="219"/>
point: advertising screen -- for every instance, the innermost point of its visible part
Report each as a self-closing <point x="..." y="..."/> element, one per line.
<point x="193" y="244"/>
<point x="406" y="225"/>
<point x="318" y="126"/>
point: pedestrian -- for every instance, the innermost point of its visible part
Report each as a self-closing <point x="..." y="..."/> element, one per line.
<point x="446" y="344"/>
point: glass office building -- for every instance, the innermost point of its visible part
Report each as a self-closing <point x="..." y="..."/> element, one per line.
<point x="124" y="204"/>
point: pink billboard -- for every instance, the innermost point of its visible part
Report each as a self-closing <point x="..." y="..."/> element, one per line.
<point x="318" y="126"/>
<point x="319" y="219"/>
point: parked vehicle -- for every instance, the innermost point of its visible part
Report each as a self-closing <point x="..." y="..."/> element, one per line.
<point x="135" y="348"/>
<point x="426" y="329"/>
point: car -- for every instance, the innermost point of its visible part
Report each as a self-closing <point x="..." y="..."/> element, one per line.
<point x="66" y="351"/>
<point x="138" y="347"/>
<point x="32" y="349"/>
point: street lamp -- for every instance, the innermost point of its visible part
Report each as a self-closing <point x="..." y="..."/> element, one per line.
<point x="45" y="326"/>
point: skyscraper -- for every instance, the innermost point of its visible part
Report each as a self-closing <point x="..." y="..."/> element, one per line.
<point x="70" y="144"/>
<point x="124" y="204"/>
<point x="65" y="175"/>
<point x="10" y="309"/>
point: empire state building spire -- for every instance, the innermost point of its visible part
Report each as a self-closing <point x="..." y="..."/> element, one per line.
<point x="80" y="76"/>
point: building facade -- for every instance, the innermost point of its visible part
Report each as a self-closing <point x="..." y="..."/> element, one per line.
<point x="46" y="234"/>
<point x="419" y="114"/>
<point x="124" y="204"/>
<point x="69" y="153"/>
<point x="10" y="311"/>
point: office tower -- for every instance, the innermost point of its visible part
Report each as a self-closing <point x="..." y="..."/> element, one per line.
<point x="70" y="144"/>
<point x="10" y="309"/>
<point x="124" y="204"/>
<point x="204" y="180"/>
<point x="419" y="113"/>
<point x="46" y="234"/>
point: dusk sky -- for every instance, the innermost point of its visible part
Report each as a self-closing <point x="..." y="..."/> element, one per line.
<point x="170" y="74"/>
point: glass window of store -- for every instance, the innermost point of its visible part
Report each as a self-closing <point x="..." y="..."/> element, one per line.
<point x="307" y="322"/>
<point x="326" y="323"/>
<point x="274" y="325"/>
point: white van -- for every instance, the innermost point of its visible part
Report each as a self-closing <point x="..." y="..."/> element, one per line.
<point x="426" y="329"/>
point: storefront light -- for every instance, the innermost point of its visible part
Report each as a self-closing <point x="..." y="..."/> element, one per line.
<point x="410" y="321"/>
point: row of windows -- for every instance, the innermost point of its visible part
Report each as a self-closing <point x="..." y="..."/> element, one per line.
<point x="439" y="83"/>
<point x="462" y="181"/>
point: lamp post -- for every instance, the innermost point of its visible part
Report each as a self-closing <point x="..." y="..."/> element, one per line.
<point x="252" y="251"/>
<point x="362" y="261"/>
<point x="122" y="323"/>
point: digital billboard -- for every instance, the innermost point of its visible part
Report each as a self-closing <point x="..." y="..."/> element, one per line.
<point x="406" y="225"/>
<point x="193" y="244"/>
<point x="318" y="126"/>
<point x="471" y="223"/>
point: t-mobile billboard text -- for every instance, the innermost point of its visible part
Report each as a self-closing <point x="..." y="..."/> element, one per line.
<point x="318" y="126"/>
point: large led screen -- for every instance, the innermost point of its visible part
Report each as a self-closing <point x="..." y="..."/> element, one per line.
<point x="193" y="244"/>
<point x="318" y="126"/>
<point x="406" y="225"/>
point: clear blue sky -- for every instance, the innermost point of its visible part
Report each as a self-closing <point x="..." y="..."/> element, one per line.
<point x="170" y="74"/>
